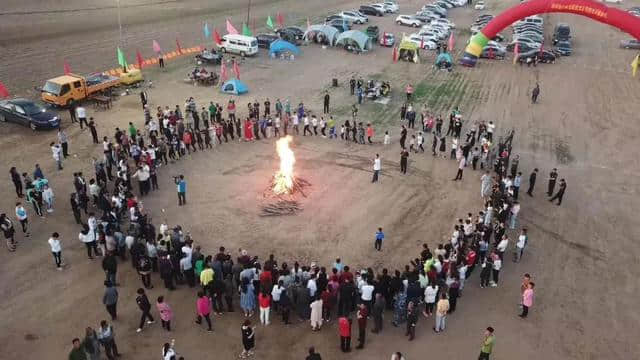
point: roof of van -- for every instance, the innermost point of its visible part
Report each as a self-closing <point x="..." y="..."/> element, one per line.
<point x="239" y="37"/>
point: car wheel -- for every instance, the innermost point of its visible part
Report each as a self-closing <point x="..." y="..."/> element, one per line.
<point x="415" y="25"/>
<point x="32" y="126"/>
<point x="242" y="54"/>
<point x="399" y="22"/>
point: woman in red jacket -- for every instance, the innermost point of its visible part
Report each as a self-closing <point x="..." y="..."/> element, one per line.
<point x="344" y="328"/>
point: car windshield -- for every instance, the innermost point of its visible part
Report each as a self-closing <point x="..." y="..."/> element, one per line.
<point x="254" y="43"/>
<point x="51" y="88"/>
<point x="32" y="109"/>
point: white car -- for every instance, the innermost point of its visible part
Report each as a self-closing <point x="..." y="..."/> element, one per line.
<point x="386" y="8"/>
<point x="380" y="7"/>
<point x="613" y="1"/>
<point x="393" y="6"/>
<point x="408" y="20"/>
<point x="445" y="22"/>
<point x="353" y="17"/>
<point x="479" y="5"/>
<point x="420" y="41"/>
<point x="437" y="32"/>
<point x="427" y="35"/>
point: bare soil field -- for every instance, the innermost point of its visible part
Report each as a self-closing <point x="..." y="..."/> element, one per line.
<point x="582" y="254"/>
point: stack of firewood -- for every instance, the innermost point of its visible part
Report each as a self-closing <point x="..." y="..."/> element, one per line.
<point x="282" y="207"/>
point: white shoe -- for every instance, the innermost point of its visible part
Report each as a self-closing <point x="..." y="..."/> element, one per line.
<point x="139" y="330"/>
<point x="494" y="285"/>
<point x="150" y="322"/>
<point x="60" y="269"/>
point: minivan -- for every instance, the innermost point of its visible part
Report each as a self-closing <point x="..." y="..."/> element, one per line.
<point x="239" y="44"/>
<point x="562" y="32"/>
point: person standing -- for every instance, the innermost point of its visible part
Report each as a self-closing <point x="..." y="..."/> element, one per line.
<point x="264" y="302"/>
<point x="404" y="158"/>
<point x="379" y="239"/>
<point x="553" y="176"/>
<point x="560" y="193"/>
<point x="94" y="132"/>
<point x="166" y="314"/>
<point x="203" y="307"/>
<point x="81" y="114"/>
<point x="313" y="355"/>
<point x="430" y="293"/>
<point x="520" y="245"/>
<point x="326" y="102"/>
<point x="316" y="313"/>
<point x="17" y="181"/>
<point x="56" y="153"/>
<point x="527" y="299"/>
<point x="145" y="308"/>
<point x="344" y="328"/>
<point x="77" y="352"/>
<point x="403" y="136"/>
<point x="441" y="313"/>
<point x="56" y="249"/>
<point x="412" y="320"/>
<point x="106" y="337"/>
<point x="409" y="91"/>
<point x="532" y="181"/>
<point x="535" y="93"/>
<point x="64" y="142"/>
<point x="110" y="299"/>
<point x="8" y="232"/>
<point x="352" y="85"/>
<point x="485" y="187"/>
<point x="487" y="344"/>
<point x="21" y="214"/>
<point x="379" y="307"/>
<point x="461" y="165"/>
<point x="362" y="325"/>
<point x="181" y="186"/>
<point x="376" y="168"/>
<point x="248" y="339"/>
<point x="517" y="181"/>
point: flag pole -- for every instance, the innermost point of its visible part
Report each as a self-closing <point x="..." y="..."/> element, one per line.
<point x="248" y="12"/>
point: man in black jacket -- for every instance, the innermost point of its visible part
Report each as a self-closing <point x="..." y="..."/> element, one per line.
<point x="145" y="307"/>
<point x="110" y="267"/>
<point x="532" y="181"/>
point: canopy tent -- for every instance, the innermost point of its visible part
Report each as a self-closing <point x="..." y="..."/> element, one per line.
<point x="408" y="51"/>
<point x="235" y="87"/>
<point x="329" y="33"/>
<point x="280" y="46"/>
<point x="362" y="40"/>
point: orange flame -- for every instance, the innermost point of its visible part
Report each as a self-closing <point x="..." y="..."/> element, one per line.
<point x="283" y="183"/>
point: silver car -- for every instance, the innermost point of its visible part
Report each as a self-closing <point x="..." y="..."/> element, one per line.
<point x="630" y="44"/>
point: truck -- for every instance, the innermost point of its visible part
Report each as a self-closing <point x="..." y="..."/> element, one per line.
<point x="68" y="89"/>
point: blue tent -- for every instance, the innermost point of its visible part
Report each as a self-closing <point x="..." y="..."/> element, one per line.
<point x="279" y="46"/>
<point x="235" y="87"/>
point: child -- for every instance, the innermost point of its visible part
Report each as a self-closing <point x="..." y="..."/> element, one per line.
<point x="412" y="143"/>
<point x="387" y="138"/>
<point x="342" y="129"/>
<point x="420" y="141"/>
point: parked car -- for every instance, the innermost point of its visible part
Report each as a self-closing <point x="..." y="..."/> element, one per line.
<point x="373" y="32"/>
<point x="28" y="113"/>
<point x="444" y="4"/>
<point x="630" y="44"/>
<point x="387" y="39"/>
<point x="340" y="25"/>
<point x="370" y="10"/>
<point x="429" y="35"/>
<point x="265" y="40"/>
<point x="354" y="17"/>
<point x="561" y="32"/>
<point x="408" y="20"/>
<point x="380" y="7"/>
<point x="544" y="56"/>
<point x="564" y="48"/>
<point x="423" y="43"/>
<point x="333" y="17"/>
<point x="445" y="22"/>
<point x="298" y="32"/>
<point x="426" y="17"/>
<point x="479" y="5"/>
<point x="209" y="57"/>
<point x="288" y="35"/>
<point x="493" y="52"/>
<point x="613" y="1"/>
<point x="393" y="6"/>
<point x="387" y="8"/>
<point x="436" y="9"/>
<point x="522" y="47"/>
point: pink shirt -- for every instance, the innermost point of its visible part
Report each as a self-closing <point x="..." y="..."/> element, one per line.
<point x="165" y="311"/>
<point x="527" y="297"/>
<point x="203" y="305"/>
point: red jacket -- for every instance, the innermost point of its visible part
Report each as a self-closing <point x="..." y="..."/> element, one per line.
<point x="344" y="327"/>
<point x="264" y="300"/>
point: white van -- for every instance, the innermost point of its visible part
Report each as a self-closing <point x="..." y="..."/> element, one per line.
<point x="239" y="44"/>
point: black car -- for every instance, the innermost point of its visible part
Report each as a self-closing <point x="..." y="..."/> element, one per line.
<point x="288" y="35"/>
<point x="562" y="32"/>
<point x="298" y="32"/>
<point x="28" y="113"/>
<point x="209" y="57"/>
<point x="370" y="10"/>
<point x="265" y="40"/>
<point x="564" y="48"/>
<point x="544" y="56"/>
<point x="333" y="17"/>
<point x="522" y="47"/>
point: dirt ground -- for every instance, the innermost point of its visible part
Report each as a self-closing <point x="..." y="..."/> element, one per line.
<point x="581" y="255"/>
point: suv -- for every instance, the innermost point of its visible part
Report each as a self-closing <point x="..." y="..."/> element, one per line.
<point x="562" y="32"/>
<point x="564" y="48"/>
<point x="370" y="10"/>
<point x="630" y="44"/>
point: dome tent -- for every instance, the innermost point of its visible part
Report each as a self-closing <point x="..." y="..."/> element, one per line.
<point x="328" y="32"/>
<point x="235" y="87"/>
<point x="355" y="36"/>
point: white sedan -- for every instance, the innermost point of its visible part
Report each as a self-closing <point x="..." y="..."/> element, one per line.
<point x="408" y="20"/>
<point x="393" y="6"/>
<point x="446" y="22"/>
<point x="424" y="42"/>
<point x="479" y="5"/>
<point x="353" y="17"/>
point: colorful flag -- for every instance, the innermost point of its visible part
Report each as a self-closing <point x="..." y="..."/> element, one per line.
<point x="634" y="65"/>
<point x="122" y="61"/>
<point x="270" y="22"/>
<point x="280" y="19"/>
<point x="178" y="46"/>
<point x="3" y="91"/>
<point x="156" y="47"/>
<point x="67" y="68"/>
<point x="516" y="52"/>
<point x="236" y="69"/>
<point x="452" y="42"/>
<point x="231" y="29"/>
<point x="206" y="31"/>
<point x="245" y="30"/>
<point x="216" y="37"/>
<point x="139" y="59"/>
<point x="421" y="42"/>
<point x="395" y="54"/>
<point x="223" y="71"/>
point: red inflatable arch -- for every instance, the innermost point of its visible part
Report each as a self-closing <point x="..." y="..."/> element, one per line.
<point x="597" y="11"/>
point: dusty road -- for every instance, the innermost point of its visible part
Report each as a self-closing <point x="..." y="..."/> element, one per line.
<point x="582" y="255"/>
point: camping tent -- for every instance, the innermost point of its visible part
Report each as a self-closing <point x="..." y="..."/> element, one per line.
<point x="362" y="40"/>
<point x="280" y="46"/>
<point x="328" y="32"/>
<point x="234" y="86"/>
<point x="409" y="51"/>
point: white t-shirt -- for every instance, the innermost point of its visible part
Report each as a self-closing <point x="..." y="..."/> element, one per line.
<point x="430" y="294"/>
<point x="311" y="285"/>
<point x="80" y="112"/>
<point x="502" y="245"/>
<point x="490" y="128"/>
<point x="275" y="292"/>
<point x="521" y="241"/>
<point x="55" y="245"/>
<point x="497" y="264"/>
<point x="367" y="292"/>
<point x="376" y="164"/>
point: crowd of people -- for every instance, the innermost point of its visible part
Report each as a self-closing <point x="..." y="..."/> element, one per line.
<point x="117" y="227"/>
